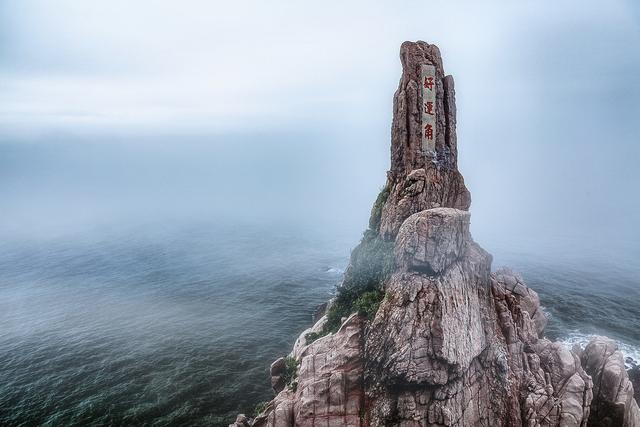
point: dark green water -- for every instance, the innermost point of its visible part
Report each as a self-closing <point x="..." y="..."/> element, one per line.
<point x="177" y="325"/>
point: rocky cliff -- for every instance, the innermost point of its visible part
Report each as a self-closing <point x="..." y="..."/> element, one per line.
<point x="421" y="331"/>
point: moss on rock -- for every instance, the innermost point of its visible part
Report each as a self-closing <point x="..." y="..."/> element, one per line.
<point x="376" y="210"/>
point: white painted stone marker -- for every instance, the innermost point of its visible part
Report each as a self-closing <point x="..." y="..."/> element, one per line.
<point x="428" y="85"/>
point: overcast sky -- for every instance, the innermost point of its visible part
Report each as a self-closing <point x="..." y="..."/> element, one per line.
<point x="226" y="64"/>
<point x="548" y="92"/>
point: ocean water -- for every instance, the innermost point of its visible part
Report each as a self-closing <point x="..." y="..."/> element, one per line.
<point x="177" y="325"/>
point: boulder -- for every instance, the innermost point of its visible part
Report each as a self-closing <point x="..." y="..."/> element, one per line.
<point x="241" y="421"/>
<point x="613" y="402"/>
<point x="433" y="239"/>
<point x="277" y="371"/>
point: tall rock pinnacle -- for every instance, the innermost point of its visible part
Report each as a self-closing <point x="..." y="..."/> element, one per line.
<point x="421" y="178"/>
<point x="421" y="332"/>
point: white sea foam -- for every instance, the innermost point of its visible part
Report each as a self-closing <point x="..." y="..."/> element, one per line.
<point x="335" y="270"/>
<point x="630" y="352"/>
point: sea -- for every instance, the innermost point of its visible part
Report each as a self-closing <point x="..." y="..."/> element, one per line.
<point x="177" y="323"/>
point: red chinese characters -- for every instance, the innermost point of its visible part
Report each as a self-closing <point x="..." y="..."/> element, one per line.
<point x="428" y="108"/>
<point x="428" y="82"/>
<point x="428" y="132"/>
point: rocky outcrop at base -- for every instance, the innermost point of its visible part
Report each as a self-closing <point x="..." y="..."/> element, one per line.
<point x="329" y="388"/>
<point x="634" y="377"/>
<point x="440" y="339"/>
<point x="613" y="401"/>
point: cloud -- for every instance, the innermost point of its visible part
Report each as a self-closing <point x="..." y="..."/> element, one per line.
<point x="547" y="99"/>
<point x="248" y="64"/>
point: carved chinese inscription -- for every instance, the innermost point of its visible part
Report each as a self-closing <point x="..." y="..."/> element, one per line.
<point x="428" y="87"/>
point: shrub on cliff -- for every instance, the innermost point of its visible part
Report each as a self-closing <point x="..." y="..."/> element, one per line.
<point x="290" y="375"/>
<point x="260" y="408"/>
<point x="367" y="304"/>
<point x="376" y="210"/>
<point x="363" y="286"/>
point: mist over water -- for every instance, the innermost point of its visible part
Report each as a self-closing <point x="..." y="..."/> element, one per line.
<point x="177" y="324"/>
<point x="181" y="184"/>
<point x="154" y="324"/>
<point x="156" y="283"/>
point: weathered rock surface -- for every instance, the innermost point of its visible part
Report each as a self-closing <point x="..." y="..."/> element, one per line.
<point x="277" y="372"/>
<point x="417" y="181"/>
<point x="329" y="384"/>
<point x="429" y="327"/>
<point x="613" y="402"/>
<point x="634" y="377"/>
<point x="241" y="421"/>
<point x="433" y="239"/>
<point x="451" y="343"/>
<point x="462" y="347"/>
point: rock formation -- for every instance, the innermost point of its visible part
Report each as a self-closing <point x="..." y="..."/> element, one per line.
<point x="417" y="181"/>
<point x="448" y="343"/>
<point x="613" y="401"/>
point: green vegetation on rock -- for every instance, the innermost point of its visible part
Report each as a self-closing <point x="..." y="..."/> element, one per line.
<point x="367" y="304"/>
<point x="371" y="265"/>
<point x="290" y="375"/>
<point x="362" y="289"/>
<point x="312" y="336"/>
<point x="376" y="210"/>
<point x="260" y="408"/>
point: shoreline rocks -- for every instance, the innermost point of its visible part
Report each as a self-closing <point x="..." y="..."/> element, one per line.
<point x="613" y="393"/>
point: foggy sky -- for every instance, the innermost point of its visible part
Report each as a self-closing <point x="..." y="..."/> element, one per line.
<point x="110" y="108"/>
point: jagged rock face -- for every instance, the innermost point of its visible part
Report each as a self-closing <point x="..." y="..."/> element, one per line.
<point x="429" y="327"/>
<point x="431" y="240"/>
<point x="451" y="344"/>
<point x="428" y="361"/>
<point x="509" y="291"/>
<point x="417" y="181"/>
<point x="329" y="388"/>
<point x="613" y="402"/>
<point x="461" y="347"/>
<point x="277" y="372"/>
<point x="241" y="421"/>
<point x="547" y="385"/>
<point x="456" y="348"/>
<point x="634" y="377"/>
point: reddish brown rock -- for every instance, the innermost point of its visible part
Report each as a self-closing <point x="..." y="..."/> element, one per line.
<point x="462" y="347"/>
<point x="329" y="388"/>
<point x="417" y="181"/>
<point x="451" y="343"/>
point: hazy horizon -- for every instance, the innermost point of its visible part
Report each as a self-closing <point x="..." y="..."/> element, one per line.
<point x="115" y="113"/>
<point x="182" y="183"/>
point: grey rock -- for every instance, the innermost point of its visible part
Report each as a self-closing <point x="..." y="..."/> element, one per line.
<point x="241" y="421"/>
<point x="613" y="402"/>
<point x="433" y="239"/>
<point x="634" y="377"/>
<point x="277" y="371"/>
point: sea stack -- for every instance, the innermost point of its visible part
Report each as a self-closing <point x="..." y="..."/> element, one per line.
<point x="421" y="331"/>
